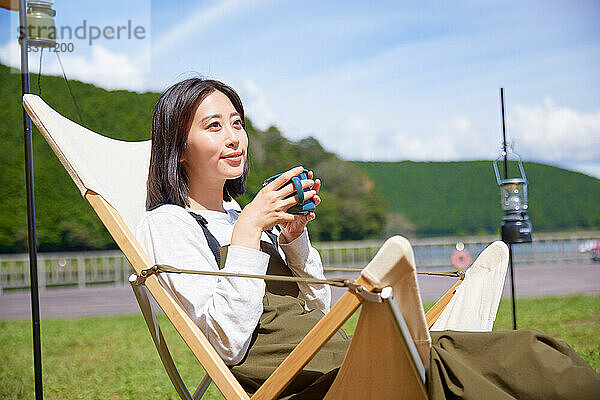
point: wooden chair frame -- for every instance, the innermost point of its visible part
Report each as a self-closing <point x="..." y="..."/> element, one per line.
<point x="199" y="344"/>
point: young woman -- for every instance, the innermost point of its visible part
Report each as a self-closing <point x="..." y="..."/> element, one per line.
<point x="199" y="162"/>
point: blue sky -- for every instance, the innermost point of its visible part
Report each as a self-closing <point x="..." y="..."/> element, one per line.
<point x="381" y="81"/>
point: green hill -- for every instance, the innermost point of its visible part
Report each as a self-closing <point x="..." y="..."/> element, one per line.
<point x="66" y="222"/>
<point x="440" y="198"/>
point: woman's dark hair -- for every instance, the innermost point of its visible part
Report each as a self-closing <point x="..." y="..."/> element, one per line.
<point x="171" y="121"/>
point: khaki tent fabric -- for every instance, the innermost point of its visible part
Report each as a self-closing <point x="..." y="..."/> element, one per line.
<point x="524" y="365"/>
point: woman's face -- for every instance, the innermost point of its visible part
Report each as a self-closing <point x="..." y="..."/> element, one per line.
<point x="217" y="144"/>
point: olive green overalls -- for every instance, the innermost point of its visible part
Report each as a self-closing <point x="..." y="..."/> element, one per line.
<point x="464" y="365"/>
<point x="282" y="325"/>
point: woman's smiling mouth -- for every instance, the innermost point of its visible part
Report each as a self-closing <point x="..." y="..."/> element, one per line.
<point x="233" y="157"/>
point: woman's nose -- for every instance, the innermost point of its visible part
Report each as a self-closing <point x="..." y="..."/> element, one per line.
<point x="232" y="137"/>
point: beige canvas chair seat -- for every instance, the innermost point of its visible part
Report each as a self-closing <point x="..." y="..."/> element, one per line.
<point x="111" y="176"/>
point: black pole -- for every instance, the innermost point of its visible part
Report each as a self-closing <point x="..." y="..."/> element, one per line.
<point x="512" y="286"/>
<point x="33" y="275"/>
<point x="510" y="262"/>
<point x="504" y="152"/>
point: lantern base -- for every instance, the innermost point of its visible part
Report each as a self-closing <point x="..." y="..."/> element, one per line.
<point x="41" y="43"/>
<point x="516" y="228"/>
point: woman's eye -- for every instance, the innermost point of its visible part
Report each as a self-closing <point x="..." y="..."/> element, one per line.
<point x="214" y="125"/>
<point x="237" y="122"/>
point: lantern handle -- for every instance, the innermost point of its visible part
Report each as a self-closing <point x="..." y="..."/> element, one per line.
<point x="495" y="164"/>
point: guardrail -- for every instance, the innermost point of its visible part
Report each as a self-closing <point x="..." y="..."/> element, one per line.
<point x="90" y="268"/>
<point x="435" y="253"/>
<point x="82" y="269"/>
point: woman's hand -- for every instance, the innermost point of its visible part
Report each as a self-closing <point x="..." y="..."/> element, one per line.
<point x="292" y="229"/>
<point x="269" y="208"/>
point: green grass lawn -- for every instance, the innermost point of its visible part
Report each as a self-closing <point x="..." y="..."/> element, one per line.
<point x="114" y="357"/>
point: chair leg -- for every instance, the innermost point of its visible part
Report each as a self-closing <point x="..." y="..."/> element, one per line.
<point x="159" y="341"/>
<point x="202" y="387"/>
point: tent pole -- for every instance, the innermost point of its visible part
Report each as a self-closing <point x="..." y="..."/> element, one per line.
<point x="510" y="257"/>
<point x="33" y="273"/>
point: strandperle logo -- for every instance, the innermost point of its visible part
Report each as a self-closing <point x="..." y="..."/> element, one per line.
<point x="129" y="31"/>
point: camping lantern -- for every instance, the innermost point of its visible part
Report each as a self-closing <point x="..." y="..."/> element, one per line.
<point x="516" y="227"/>
<point x="41" y="30"/>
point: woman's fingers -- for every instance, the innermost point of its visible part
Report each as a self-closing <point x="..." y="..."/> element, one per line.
<point x="285" y="189"/>
<point x="281" y="194"/>
<point x="317" y="185"/>
<point x="291" y="188"/>
<point x="303" y="219"/>
<point x="307" y="218"/>
<point x="290" y="201"/>
<point x="284" y="177"/>
<point x="287" y="217"/>
<point x="316" y="199"/>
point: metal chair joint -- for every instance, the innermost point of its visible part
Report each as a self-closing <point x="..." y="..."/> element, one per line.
<point x="370" y="296"/>
<point x="145" y="273"/>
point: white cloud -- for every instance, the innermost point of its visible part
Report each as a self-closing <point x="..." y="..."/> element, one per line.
<point x="588" y="168"/>
<point x="256" y="105"/>
<point x="459" y="139"/>
<point x="363" y="138"/>
<point x="102" y="67"/>
<point x="546" y="133"/>
<point x="354" y="139"/>
<point x="554" y="133"/>
<point x="10" y="54"/>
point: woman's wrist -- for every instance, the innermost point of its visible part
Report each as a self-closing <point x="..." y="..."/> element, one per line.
<point x="286" y="238"/>
<point x="296" y="251"/>
<point x="246" y="233"/>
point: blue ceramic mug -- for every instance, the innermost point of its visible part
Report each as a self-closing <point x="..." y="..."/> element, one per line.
<point x="303" y="206"/>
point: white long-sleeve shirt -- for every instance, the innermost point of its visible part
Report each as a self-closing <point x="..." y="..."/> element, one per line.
<point x="226" y="309"/>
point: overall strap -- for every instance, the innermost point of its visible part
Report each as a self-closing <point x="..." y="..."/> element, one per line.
<point x="272" y="236"/>
<point x="213" y="243"/>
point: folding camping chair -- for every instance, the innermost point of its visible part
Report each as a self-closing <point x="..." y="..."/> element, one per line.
<point x="389" y="361"/>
